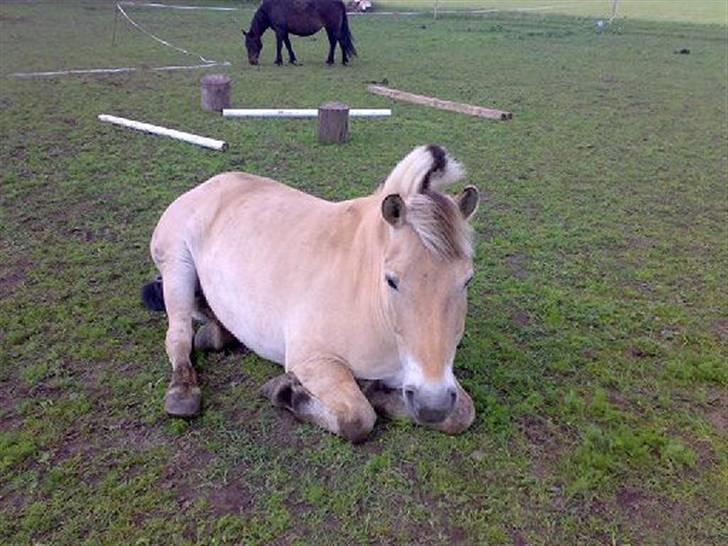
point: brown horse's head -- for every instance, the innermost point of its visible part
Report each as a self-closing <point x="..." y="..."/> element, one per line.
<point x="254" y="45"/>
<point x="426" y="267"/>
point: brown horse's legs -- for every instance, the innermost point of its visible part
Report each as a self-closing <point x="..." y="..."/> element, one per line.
<point x="291" y="55"/>
<point x="332" y="46"/>
<point x="344" y="56"/>
<point x="323" y="392"/>
<point x="390" y="403"/>
<point x="279" y="46"/>
<point x="183" y="394"/>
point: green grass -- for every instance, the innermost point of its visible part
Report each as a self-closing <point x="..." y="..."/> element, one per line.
<point x="696" y="11"/>
<point x="596" y="340"/>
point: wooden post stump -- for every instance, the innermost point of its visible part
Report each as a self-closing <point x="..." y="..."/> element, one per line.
<point x="333" y="122"/>
<point x="215" y="92"/>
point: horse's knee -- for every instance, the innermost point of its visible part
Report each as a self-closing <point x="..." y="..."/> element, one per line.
<point x="356" y="425"/>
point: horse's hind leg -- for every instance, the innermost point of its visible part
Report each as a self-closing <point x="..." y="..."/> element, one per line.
<point x="183" y="394"/>
<point x="211" y="335"/>
<point x="323" y="392"/>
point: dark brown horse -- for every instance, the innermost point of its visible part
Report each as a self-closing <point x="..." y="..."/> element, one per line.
<point x="302" y="18"/>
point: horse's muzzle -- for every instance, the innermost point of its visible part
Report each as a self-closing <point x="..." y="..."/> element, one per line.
<point x="430" y="406"/>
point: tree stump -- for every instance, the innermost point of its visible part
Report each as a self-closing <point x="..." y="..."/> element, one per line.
<point x="215" y="92"/>
<point x="333" y="120"/>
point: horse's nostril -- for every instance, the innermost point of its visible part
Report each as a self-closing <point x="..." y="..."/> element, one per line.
<point x="453" y="397"/>
<point x="409" y="394"/>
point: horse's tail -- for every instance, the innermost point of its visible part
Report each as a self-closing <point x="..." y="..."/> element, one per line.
<point x="424" y="168"/>
<point x="153" y="296"/>
<point x="347" y="40"/>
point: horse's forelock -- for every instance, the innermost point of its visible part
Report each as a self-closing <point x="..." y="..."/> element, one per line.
<point x="437" y="221"/>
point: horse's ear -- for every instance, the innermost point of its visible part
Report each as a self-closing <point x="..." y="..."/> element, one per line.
<point x="468" y="201"/>
<point x="393" y="209"/>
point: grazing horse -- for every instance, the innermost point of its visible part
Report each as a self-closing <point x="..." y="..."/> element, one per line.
<point x="362" y="301"/>
<point x="302" y="18"/>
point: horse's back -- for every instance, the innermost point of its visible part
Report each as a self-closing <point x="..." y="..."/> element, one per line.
<point x="205" y="213"/>
<point x="305" y="17"/>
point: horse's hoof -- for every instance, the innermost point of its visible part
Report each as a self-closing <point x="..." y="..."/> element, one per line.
<point x="274" y="388"/>
<point x="206" y="340"/>
<point x="182" y="400"/>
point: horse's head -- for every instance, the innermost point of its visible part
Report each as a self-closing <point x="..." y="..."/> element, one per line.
<point x="254" y="45"/>
<point x="426" y="267"/>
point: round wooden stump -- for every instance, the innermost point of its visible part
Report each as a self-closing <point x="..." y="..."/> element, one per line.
<point x="333" y="120"/>
<point x="215" y="92"/>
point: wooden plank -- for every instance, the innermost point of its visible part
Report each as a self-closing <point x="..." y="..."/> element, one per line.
<point x="440" y="104"/>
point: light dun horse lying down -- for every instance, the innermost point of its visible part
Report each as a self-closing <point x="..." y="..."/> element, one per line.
<point x="363" y="302"/>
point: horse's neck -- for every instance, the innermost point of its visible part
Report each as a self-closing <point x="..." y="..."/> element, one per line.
<point x="365" y="250"/>
<point x="260" y="23"/>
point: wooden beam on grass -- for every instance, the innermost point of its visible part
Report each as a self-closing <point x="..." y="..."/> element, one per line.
<point x="440" y="104"/>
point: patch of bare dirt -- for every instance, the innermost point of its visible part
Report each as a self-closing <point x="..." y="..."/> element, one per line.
<point x="648" y="512"/>
<point x="520" y="319"/>
<point x="517" y="538"/>
<point x="719" y="421"/>
<point x="545" y="451"/>
<point x="637" y="353"/>
<point x="517" y="264"/>
<point x="720" y="329"/>
<point x="232" y="498"/>
<point x="12" y="277"/>
<point x="13" y="18"/>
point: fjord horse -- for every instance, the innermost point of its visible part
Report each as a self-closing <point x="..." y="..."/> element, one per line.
<point x="362" y="301"/>
<point x="302" y="18"/>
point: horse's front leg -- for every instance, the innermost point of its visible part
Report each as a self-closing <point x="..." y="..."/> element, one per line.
<point x="390" y="403"/>
<point x="279" y="47"/>
<point x="332" y="46"/>
<point x="291" y="55"/>
<point x="323" y="391"/>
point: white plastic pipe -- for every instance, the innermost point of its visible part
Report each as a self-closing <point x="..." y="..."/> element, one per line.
<point x="157" y="5"/>
<point x="300" y="112"/>
<point x="219" y="145"/>
<point x="27" y="75"/>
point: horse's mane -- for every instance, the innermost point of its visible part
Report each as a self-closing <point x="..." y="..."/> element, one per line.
<point x="433" y="215"/>
<point x="260" y="22"/>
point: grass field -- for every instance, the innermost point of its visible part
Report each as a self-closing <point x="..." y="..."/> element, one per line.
<point x="597" y="336"/>
<point x="696" y="11"/>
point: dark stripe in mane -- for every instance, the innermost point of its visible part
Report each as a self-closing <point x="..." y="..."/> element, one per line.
<point x="439" y="162"/>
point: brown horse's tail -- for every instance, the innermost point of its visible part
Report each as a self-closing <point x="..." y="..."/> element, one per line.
<point x="347" y="40"/>
<point x="153" y="296"/>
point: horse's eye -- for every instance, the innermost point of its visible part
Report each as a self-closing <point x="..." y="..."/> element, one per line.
<point x="392" y="282"/>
